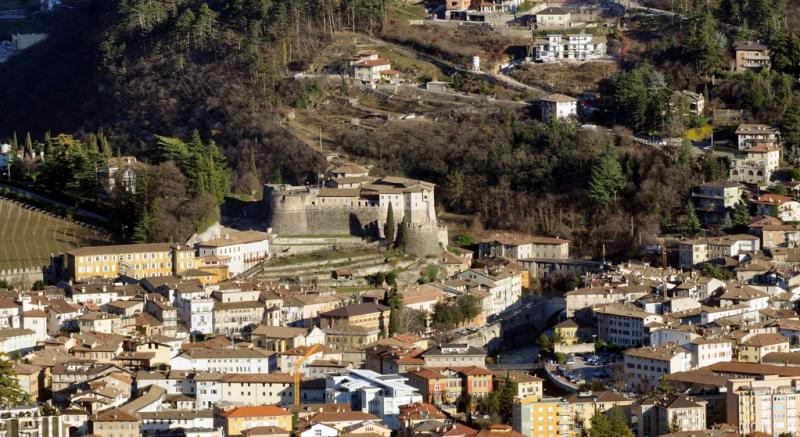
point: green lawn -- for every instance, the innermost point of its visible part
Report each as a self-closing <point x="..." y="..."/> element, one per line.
<point x="401" y="10"/>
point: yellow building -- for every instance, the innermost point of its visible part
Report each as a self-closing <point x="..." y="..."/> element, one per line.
<point x="116" y="422"/>
<point x="133" y="260"/>
<point x="547" y="417"/>
<point x="757" y="346"/>
<point x="586" y="404"/>
<point x="567" y="331"/>
<point x="243" y="418"/>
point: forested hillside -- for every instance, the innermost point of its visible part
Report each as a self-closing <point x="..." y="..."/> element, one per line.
<point x="140" y="68"/>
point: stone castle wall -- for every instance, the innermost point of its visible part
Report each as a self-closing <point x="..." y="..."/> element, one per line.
<point x="295" y="214"/>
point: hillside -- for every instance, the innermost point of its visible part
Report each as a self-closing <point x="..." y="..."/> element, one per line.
<point x="30" y="236"/>
<point x="140" y="68"/>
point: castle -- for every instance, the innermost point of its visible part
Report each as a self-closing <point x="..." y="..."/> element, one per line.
<point x="357" y="204"/>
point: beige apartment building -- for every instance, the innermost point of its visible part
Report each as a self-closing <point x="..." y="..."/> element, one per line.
<point x="768" y="404"/>
<point x="116" y="423"/>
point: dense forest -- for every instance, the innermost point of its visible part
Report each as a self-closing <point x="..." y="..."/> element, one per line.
<point x="141" y="68"/>
<point x="516" y="173"/>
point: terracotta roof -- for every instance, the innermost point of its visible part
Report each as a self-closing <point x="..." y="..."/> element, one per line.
<point x="230" y="239"/>
<point x="116" y="415"/>
<point x="123" y="248"/>
<point x="768" y="339"/>
<point x="343" y="416"/>
<point x="356" y="310"/>
<point x="761" y="148"/>
<point x="256" y="411"/>
<point x="420" y="410"/>
<point x="497" y="429"/>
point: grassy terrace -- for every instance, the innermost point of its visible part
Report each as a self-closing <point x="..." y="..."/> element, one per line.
<point x="321" y="257"/>
<point x="406" y="11"/>
<point x="315" y="235"/>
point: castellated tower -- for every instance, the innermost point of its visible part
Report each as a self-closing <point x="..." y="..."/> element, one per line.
<point x="357" y="205"/>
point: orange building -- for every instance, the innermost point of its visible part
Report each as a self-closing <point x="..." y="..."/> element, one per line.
<point x="448" y="384"/>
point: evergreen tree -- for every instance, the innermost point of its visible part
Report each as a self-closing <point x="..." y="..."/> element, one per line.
<point x="142" y="230"/>
<point x="388" y="227"/>
<point x="402" y="235"/>
<point x="710" y="167"/>
<point x="685" y="156"/>
<point x="601" y="427"/>
<point x="726" y="223"/>
<point x="790" y="128"/>
<point x="395" y="302"/>
<point x="740" y="215"/>
<point x="10" y="392"/>
<point x="507" y="394"/>
<point x="606" y="179"/>
<point x="617" y="422"/>
<point x="28" y="151"/>
<point x="690" y="224"/>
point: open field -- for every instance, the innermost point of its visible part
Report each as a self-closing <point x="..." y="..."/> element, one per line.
<point x="28" y="236"/>
<point x="566" y="78"/>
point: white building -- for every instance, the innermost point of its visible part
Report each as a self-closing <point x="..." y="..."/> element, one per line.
<point x="240" y="250"/>
<point x="36" y="321"/>
<point x="624" y="324"/>
<point x="736" y="294"/>
<point x="748" y="135"/>
<point x="577" y="47"/>
<point x="371" y="392"/>
<point x="373" y="70"/>
<point x="558" y="106"/>
<point x="697" y="251"/>
<point x="707" y="351"/>
<point x="645" y="366"/>
<point x="17" y="340"/>
<point x="681" y="335"/>
<point x="195" y="307"/>
<point x="758" y="165"/>
<point x="9" y="314"/>
<point x="505" y="287"/>
<point x="225" y="361"/>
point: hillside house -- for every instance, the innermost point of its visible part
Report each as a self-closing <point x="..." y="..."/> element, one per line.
<point x="783" y="207"/>
<point x="757" y="167"/>
<point x="121" y="170"/>
<point x="714" y="199"/>
<point x="750" y="55"/>
<point x="748" y="135"/>
<point x="552" y="18"/>
<point x="578" y="47"/>
<point x="374" y="70"/>
<point x="558" y="106"/>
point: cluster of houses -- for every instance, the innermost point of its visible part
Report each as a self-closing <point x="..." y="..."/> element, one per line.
<point x="725" y="346"/>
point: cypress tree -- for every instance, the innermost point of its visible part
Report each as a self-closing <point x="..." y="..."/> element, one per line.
<point x="10" y="392"/>
<point x="388" y="227"/>
<point x="401" y="241"/>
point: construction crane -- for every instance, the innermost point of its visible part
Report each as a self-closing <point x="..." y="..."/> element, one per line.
<point x="297" y="364"/>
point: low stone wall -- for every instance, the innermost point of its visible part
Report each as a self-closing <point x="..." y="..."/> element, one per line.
<point x="558" y="381"/>
<point x="577" y="348"/>
<point x="23" y="277"/>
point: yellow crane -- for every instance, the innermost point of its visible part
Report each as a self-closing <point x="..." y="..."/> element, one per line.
<point x="297" y="364"/>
